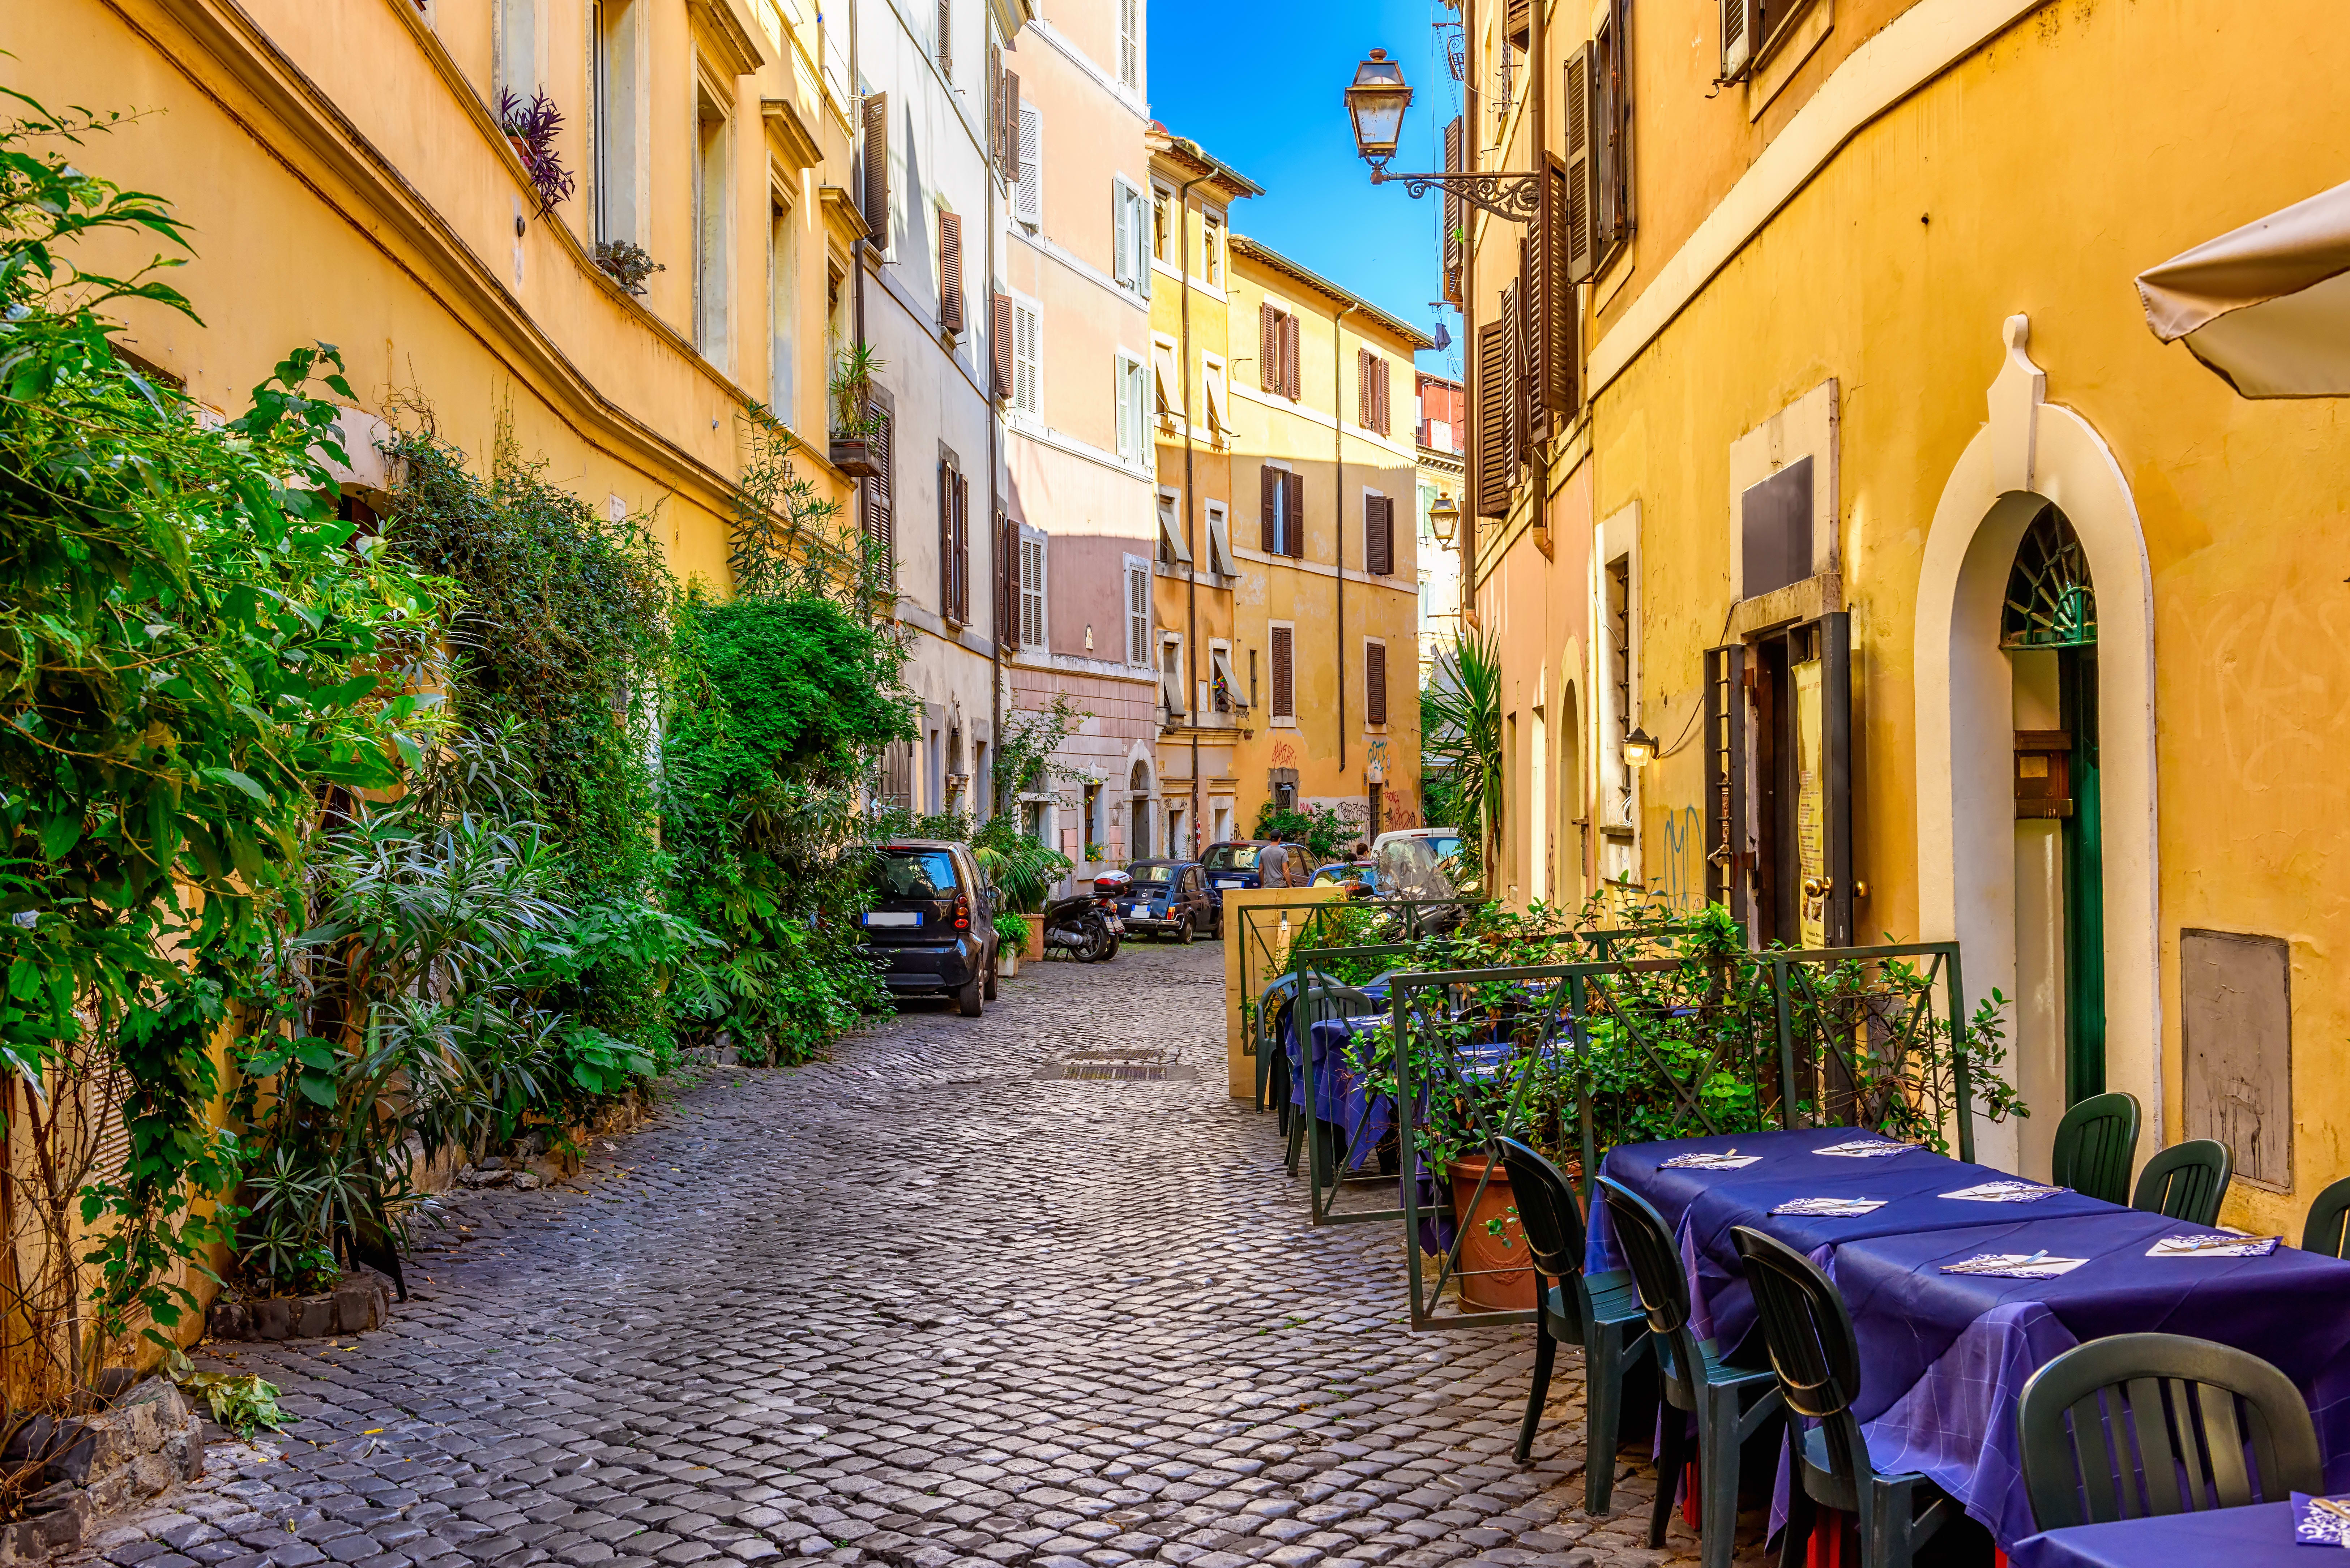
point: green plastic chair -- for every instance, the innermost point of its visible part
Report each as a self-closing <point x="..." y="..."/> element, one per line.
<point x="2180" y="1394"/>
<point x="2095" y="1145"/>
<point x="1730" y="1403"/>
<point x="1817" y="1359"/>
<point x="1601" y="1312"/>
<point x="2187" y="1182"/>
<point x="2329" y="1218"/>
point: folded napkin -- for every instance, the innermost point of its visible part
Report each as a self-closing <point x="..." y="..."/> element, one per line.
<point x="1730" y="1159"/>
<point x="2214" y="1247"/>
<point x="2321" y="1520"/>
<point x="2004" y="1192"/>
<point x="1833" y="1206"/>
<point x="2016" y="1265"/>
<point x="1864" y="1148"/>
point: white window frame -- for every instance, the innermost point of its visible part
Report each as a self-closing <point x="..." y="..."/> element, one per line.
<point x="1215" y="223"/>
<point x="783" y="281"/>
<point x="1133" y="410"/>
<point x="1129" y="43"/>
<point x="1130" y="236"/>
<point x="1035" y="596"/>
<point x="518" y="32"/>
<point x="713" y="229"/>
<point x="1171" y="545"/>
<point x="1215" y="393"/>
<point x="1220" y="662"/>
<point x="1028" y="410"/>
<point x="1174" y="675"/>
<point x="1135" y="585"/>
<point x="617" y="77"/>
<point x="1167" y="383"/>
<point x="1220" y="559"/>
<point x="1163" y="191"/>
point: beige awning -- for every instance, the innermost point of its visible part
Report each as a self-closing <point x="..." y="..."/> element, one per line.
<point x="2266" y="306"/>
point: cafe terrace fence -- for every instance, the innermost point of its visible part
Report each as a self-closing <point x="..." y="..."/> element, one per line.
<point x="1577" y="1058"/>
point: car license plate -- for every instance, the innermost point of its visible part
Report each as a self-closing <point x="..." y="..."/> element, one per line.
<point x="1222" y="882"/>
<point x="1142" y="912"/>
<point x="893" y="917"/>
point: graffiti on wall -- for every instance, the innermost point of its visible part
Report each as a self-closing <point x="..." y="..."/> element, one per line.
<point x="1285" y="755"/>
<point x="1684" y="879"/>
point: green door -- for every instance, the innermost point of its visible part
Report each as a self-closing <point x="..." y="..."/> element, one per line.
<point x="2085" y="884"/>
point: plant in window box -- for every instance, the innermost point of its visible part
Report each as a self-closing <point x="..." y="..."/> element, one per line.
<point x="531" y="127"/>
<point x="854" y="426"/>
<point x="629" y="263"/>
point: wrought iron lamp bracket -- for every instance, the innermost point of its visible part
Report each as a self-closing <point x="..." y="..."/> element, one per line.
<point x="1514" y="196"/>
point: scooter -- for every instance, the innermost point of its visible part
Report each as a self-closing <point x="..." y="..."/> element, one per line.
<point x="1078" y="924"/>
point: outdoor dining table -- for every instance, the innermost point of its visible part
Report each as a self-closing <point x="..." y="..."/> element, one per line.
<point x="2259" y="1536"/>
<point x="1945" y="1357"/>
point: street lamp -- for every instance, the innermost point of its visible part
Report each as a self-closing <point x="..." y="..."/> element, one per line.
<point x="1639" y="749"/>
<point x="1375" y="102"/>
<point x="1443" y="518"/>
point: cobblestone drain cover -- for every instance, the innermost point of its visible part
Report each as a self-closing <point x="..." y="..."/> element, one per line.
<point x="1118" y="1066"/>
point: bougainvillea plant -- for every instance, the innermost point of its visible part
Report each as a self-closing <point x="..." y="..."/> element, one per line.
<point x="533" y="125"/>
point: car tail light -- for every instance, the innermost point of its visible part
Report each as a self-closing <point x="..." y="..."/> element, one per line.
<point x="962" y="912"/>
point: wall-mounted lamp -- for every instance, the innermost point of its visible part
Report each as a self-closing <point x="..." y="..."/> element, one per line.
<point x="1444" y="518"/>
<point x="1639" y="749"/>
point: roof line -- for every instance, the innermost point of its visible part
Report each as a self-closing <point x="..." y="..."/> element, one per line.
<point x="1240" y="184"/>
<point x="1312" y="279"/>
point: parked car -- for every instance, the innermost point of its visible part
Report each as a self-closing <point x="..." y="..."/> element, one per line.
<point x="1359" y="877"/>
<point x="1252" y="863"/>
<point x="1169" y="899"/>
<point x="1418" y="862"/>
<point x="931" y="927"/>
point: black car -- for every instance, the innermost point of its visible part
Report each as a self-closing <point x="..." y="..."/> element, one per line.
<point x="1252" y="863"/>
<point x="1168" y="898"/>
<point x="932" y="924"/>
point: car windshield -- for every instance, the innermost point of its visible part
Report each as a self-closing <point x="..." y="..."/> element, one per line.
<point x="1151" y="875"/>
<point x="1231" y="857"/>
<point x="1409" y="866"/>
<point x="917" y="873"/>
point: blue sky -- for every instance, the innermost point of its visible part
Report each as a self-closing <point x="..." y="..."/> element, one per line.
<point x="1258" y="84"/>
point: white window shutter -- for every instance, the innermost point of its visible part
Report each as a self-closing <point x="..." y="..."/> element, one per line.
<point x="1028" y="201"/>
<point x="1125" y="412"/>
<point x="1142" y="226"/>
<point x="1122" y="233"/>
<point x="1138" y="615"/>
<point x="1027" y="366"/>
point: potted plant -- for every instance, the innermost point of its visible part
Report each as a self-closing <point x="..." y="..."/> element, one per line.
<point x="628" y="263"/>
<point x="531" y="127"/>
<point x="853" y="424"/>
<point x="1012" y="941"/>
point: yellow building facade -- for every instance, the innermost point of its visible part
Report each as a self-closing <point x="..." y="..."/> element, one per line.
<point x="1957" y="605"/>
<point x="346" y="179"/>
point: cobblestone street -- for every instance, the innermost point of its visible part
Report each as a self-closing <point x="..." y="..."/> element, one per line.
<point x="932" y="1302"/>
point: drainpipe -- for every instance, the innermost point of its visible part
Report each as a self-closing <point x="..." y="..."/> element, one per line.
<point x="1338" y="453"/>
<point x="994" y="503"/>
<point x="856" y="283"/>
<point x="1190" y="501"/>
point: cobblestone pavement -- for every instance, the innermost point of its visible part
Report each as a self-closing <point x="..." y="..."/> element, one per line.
<point x="928" y="1305"/>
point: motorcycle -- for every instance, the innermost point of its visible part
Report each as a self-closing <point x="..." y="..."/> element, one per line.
<point x="1112" y="891"/>
<point x="1078" y="924"/>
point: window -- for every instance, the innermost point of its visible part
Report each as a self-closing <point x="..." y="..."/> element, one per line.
<point x="1137" y="610"/>
<point x="1027" y="359"/>
<point x="1285" y="705"/>
<point x="1224" y="691"/>
<point x="873" y="170"/>
<point x="1162" y="224"/>
<point x="1028" y="195"/>
<point x="881" y="491"/>
<point x="1378" y="535"/>
<point x="783" y="295"/>
<point x="1032" y="589"/>
<point x="955" y="541"/>
<point x="710" y="229"/>
<point x="1252" y="677"/>
<point x="1220" y="542"/>
<point x="1619" y="639"/>
<point x="1212" y="248"/>
<point x="617" y="43"/>
<point x="1170" y="677"/>
<point x="1212" y="385"/>
<point x="1130" y="224"/>
<point x="1129" y="43"/>
<point x="1133" y="411"/>
<point x="1375" y="681"/>
<point x="1284" y="497"/>
<point x="1167" y="389"/>
<point x="951" y="272"/>
<point x="945" y="39"/>
<point x="1371" y="392"/>
<point x="1608" y="58"/>
<point x="517" y="65"/>
<point x="1278" y="362"/>
<point x="897" y="775"/>
<point x="1173" y="549"/>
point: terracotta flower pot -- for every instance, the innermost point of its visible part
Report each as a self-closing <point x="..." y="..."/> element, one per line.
<point x="1493" y="1269"/>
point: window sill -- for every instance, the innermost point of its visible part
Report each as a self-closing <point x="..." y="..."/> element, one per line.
<point x="1281" y="721"/>
<point x="1784" y="54"/>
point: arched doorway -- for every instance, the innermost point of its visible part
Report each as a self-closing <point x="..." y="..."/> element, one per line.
<point x="2048" y="627"/>
<point x="1138" y="785"/>
<point x="2033" y="457"/>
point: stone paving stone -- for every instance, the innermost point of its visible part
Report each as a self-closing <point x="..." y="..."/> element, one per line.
<point x="923" y="1305"/>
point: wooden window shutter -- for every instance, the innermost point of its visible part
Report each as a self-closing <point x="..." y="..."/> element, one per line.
<point x="946" y="37"/>
<point x="1007" y="126"/>
<point x="1742" y="20"/>
<point x="880" y="498"/>
<point x="1541" y="308"/>
<point x="995" y="103"/>
<point x="876" y="168"/>
<point x="1363" y="387"/>
<point x="1007" y="580"/>
<point x="1455" y="215"/>
<point x="1562" y="356"/>
<point x="1292" y="364"/>
<point x="1268" y="350"/>
<point x="946" y="539"/>
<point x="963" y="547"/>
<point x="1380" y="370"/>
<point x="1285" y="705"/>
<point x="1490" y="420"/>
<point x="1611" y="135"/>
<point x="1519" y="28"/>
<point x="1294" y="484"/>
<point x="950" y="271"/>
<point x="1375" y="682"/>
<point x="1580" y="254"/>
<point x="1378" y="535"/>
<point x="1269" y="487"/>
<point x="1513" y="374"/>
<point x="1000" y="342"/>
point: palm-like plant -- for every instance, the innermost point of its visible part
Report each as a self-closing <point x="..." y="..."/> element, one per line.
<point x="1460" y="737"/>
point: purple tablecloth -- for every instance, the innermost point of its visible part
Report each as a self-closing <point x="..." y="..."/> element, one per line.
<point x="2256" y="1537"/>
<point x="1341" y="1095"/>
<point x="1945" y="1357"/>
